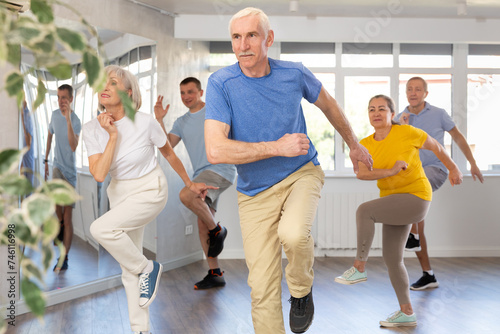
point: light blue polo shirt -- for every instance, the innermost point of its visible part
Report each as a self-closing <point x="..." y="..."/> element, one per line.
<point x="435" y="121"/>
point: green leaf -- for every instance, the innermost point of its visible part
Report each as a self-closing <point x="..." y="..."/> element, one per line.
<point x="40" y="95"/>
<point x="30" y="269"/>
<point x="15" y="184"/>
<point x="74" y="40"/>
<point x="23" y="232"/>
<point x="60" y="191"/>
<point x="47" y="255"/>
<point x="47" y="45"/>
<point x="42" y="10"/>
<point x="92" y="65"/>
<point x="33" y="296"/>
<point x="9" y="160"/>
<point x="50" y="231"/>
<point x="62" y="70"/>
<point x="14" y="83"/>
<point x="38" y="208"/>
<point x="128" y="105"/>
<point x="14" y="54"/>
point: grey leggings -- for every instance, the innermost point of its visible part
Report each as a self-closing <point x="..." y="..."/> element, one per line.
<point x="396" y="212"/>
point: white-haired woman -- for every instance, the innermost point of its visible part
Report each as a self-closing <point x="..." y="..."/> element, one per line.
<point x="138" y="189"/>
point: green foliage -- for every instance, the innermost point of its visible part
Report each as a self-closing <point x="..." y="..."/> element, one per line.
<point x="39" y="35"/>
<point x="32" y="225"/>
<point x="128" y="105"/>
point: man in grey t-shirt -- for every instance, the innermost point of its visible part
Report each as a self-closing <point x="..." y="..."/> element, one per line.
<point x="190" y="129"/>
<point x="66" y="127"/>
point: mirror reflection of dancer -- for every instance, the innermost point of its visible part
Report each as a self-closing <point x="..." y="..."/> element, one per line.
<point x="435" y="121"/>
<point x="137" y="191"/>
<point x="65" y="126"/>
<point x="405" y="198"/>
<point x="190" y="129"/>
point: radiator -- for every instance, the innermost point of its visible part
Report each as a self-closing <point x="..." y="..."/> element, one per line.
<point x="336" y="220"/>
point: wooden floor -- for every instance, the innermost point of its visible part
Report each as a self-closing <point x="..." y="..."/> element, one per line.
<point x="467" y="301"/>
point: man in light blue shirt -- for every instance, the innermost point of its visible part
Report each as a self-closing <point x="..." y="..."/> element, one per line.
<point x="28" y="141"/>
<point x="435" y="121"/>
<point x="190" y="129"/>
<point x="66" y="127"/>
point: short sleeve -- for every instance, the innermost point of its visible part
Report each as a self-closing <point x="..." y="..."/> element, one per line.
<point x="312" y="86"/>
<point x="158" y="136"/>
<point x="418" y="136"/>
<point x="90" y="139"/>
<point x="447" y="121"/>
<point x="217" y="103"/>
<point x="176" y="128"/>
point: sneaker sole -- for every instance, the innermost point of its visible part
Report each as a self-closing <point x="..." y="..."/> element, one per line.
<point x="156" y="288"/>
<point x="414" y="249"/>
<point x="209" y="287"/>
<point x="303" y="330"/>
<point x="427" y="286"/>
<point x="346" y="282"/>
<point x="398" y="324"/>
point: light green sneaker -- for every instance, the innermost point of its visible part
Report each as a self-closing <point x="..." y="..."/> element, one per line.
<point x="351" y="276"/>
<point x="399" y="319"/>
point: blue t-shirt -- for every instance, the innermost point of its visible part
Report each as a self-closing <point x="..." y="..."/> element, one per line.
<point x="64" y="157"/>
<point x="435" y="121"/>
<point x="261" y="110"/>
<point x="190" y="127"/>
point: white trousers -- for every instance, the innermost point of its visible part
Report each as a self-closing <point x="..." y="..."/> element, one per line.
<point x="133" y="204"/>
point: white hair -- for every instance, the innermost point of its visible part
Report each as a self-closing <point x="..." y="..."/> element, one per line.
<point x="264" y="20"/>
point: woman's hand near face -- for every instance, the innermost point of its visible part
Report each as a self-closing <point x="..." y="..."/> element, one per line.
<point x="106" y="122"/>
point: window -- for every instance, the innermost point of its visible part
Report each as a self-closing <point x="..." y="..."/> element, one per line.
<point x="483" y="56"/>
<point x="425" y="55"/>
<point x="367" y="55"/>
<point x="483" y="99"/>
<point x="310" y="54"/>
<point x="358" y="91"/>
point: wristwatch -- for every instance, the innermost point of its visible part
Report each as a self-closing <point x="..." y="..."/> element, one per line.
<point x="45" y="160"/>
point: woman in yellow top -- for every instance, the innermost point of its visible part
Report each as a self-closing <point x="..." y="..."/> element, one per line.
<point x="405" y="198"/>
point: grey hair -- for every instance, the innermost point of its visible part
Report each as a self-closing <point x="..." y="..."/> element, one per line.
<point x="129" y="81"/>
<point x="264" y="20"/>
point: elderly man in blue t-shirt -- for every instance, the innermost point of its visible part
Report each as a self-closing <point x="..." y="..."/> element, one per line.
<point x="254" y="119"/>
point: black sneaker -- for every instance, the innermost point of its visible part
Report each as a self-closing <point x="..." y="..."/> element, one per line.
<point x="64" y="265"/>
<point x="216" y="241"/>
<point x="60" y="235"/>
<point x="425" y="282"/>
<point x="212" y="280"/>
<point x="301" y="313"/>
<point x="413" y="244"/>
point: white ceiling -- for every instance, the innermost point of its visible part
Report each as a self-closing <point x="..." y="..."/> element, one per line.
<point x="482" y="9"/>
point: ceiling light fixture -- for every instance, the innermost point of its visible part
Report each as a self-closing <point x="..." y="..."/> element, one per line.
<point x="294" y="5"/>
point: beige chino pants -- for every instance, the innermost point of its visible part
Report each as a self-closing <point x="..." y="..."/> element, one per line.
<point x="279" y="218"/>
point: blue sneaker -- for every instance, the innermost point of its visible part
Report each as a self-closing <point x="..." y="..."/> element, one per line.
<point x="399" y="319"/>
<point x="351" y="276"/>
<point x="148" y="285"/>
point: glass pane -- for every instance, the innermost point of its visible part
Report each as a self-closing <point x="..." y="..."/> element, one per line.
<point x="483" y="61"/>
<point x="145" y="87"/>
<point x="483" y="98"/>
<point x="439" y="88"/>
<point x="367" y="60"/>
<point x="358" y="92"/>
<point x="311" y="60"/>
<point x="319" y="130"/>
<point x="427" y="61"/>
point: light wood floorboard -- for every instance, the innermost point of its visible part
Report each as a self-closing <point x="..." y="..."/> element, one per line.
<point x="467" y="301"/>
